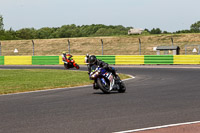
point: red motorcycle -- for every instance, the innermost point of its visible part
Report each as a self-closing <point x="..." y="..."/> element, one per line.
<point x="70" y="63"/>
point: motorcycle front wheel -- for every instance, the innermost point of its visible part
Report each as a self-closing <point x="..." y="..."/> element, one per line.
<point x="103" y="87"/>
<point x="66" y="66"/>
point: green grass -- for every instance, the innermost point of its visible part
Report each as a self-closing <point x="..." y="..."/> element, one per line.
<point x="123" y="76"/>
<point x="23" y="80"/>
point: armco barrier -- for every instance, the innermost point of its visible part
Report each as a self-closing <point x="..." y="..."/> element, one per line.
<point x="79" y="59"/>
<point x="129" y="59"/>
<point x="110" y="59"/>
<point x="158" y="59"/>
<point x="186" y="59"/>
<point x="45" y="60"/>
<point x="17" y="60"/>
<point x="1" y="60"/>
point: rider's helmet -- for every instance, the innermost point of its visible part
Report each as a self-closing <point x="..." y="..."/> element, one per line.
<point x="92" y="59"/>
<point x="64" y="52"/>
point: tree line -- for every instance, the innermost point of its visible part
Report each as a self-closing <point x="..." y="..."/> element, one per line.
<point x="68" y="31"/>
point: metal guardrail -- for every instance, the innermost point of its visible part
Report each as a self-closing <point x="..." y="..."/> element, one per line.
<point x="0" y="48"/>
<point x="110" y="59"/>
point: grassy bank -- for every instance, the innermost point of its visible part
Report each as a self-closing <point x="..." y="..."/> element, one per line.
<point x="13" y="81"/>
<point x="117" y="45"/>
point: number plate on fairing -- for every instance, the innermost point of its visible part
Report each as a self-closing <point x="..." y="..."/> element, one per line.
<point x="110" y="77"/>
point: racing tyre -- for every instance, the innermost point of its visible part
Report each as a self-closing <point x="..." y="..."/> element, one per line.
<point x="77" y="66"/>
<point x="66" y="66"/>
<point x="122" y="87"/>
<point x="104" y="88"/>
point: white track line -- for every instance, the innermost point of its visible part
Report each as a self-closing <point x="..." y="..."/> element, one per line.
<point x="46" y="90"/>
<point x="131" y="77"/>
<point x="158" y="127"/>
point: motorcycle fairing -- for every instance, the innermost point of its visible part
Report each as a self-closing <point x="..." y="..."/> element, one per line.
<point x="110" y="77"/>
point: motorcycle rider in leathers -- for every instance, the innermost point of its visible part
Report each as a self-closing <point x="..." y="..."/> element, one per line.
<point x="66" y="57"/>
<point x="94" y="61"/>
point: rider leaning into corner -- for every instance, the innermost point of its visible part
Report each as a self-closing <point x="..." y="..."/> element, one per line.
<point x="66" y="57"/>
<point x="92" y="60"/>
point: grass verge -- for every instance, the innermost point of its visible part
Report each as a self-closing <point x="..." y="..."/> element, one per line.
<point x="23" y="80"/>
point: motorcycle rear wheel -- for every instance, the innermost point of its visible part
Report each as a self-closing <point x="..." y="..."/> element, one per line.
<point x="122" y="87"/>
<point x="77" y="66"/>
<point x="105" y="89"/>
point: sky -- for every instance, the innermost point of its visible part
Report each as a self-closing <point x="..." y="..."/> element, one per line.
<point x="168" y="15"/>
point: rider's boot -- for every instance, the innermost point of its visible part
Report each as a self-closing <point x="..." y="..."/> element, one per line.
<point x="95" y="87"/>
<point x="117" y="78"/>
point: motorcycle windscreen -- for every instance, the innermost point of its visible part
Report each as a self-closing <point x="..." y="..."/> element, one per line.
<point x="93" y="68"/>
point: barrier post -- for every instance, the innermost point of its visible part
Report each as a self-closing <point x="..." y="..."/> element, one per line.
<point x="139" y="46"/>
<point x="33" y="47"/>
<point x="185" y="49"/>
<point x="102" y="45"/>
<point x="69" y="46"/>
<point x="172" y="41"/>
<point x="199" y="50"/>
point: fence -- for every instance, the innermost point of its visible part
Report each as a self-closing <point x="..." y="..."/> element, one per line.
<point x="114" y="60"/>
<point x="193" y="49"/>
<point x="98" y="46"/>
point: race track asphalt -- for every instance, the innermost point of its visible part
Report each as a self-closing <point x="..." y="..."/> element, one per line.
<point x="158" y="95"/>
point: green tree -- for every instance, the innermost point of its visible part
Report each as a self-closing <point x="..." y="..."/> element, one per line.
<point x="156" y="31"/>
<point x="44" y="33"/>
<point x="63" y="32"/>
<point x="146" y="30"/>
<point x="195" y="27"/>
<point x="1" y="22"/>
<point x="10" y="35"/>
<point x="26" y="33"/>
<point x="101" y="32"/>
<point x="183" y="31"/>
<point x="165" y="32"/>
